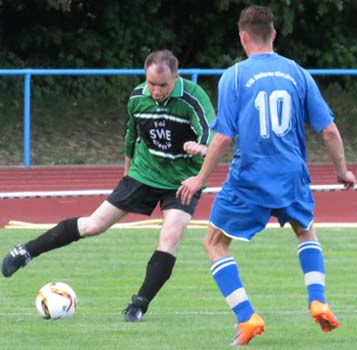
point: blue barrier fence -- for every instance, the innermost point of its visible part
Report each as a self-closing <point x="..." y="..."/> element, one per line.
<point x="193" y="72"/>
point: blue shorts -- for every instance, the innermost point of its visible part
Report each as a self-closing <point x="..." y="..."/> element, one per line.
<point x="242" y="220"/>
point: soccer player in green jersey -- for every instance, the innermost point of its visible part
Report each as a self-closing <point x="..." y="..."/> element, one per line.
<point x="167" y="137"/>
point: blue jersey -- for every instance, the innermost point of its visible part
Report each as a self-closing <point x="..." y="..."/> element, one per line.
<point x="265" y="101"/>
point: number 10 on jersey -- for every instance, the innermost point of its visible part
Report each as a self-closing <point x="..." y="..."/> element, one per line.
<point x="274" y="112"/>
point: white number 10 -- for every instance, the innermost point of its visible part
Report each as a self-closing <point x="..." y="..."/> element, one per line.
<point x="277" y="110"/>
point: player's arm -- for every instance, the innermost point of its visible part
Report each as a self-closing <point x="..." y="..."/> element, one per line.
<point x="203" y="114"/>
<point x="194" y="148"/>
<point x="334" y="145"/>
<point x="127" y="163"/>
<point x="130" y="141"/>
<point x="215" y="151"/>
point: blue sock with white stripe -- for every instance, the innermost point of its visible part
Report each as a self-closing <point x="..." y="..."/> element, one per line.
<point x="226" y="274"/>
<point x="312" y="264"/>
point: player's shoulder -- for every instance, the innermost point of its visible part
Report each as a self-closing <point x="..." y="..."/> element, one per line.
<point x="188" y="85"/>
<point x="229" y="75"/>
<point x="292" y="63"/>
<point x="192" y="88"/>
<point x="139" y="90"/>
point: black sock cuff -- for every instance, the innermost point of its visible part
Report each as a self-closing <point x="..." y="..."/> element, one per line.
<point x="64" y="233"/>
<point x="70" y="228"/>
<point x="158" y="271"/>
<point x="162" y="257"/>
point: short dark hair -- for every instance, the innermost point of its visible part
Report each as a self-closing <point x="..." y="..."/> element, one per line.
<point x="162" y="58"/>
<point x="258" y="21"/>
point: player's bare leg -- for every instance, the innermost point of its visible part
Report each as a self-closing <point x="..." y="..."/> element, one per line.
<point x="104" y="217"/>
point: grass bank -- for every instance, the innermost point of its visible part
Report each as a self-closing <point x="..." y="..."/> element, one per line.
<point x="90" y="130"/>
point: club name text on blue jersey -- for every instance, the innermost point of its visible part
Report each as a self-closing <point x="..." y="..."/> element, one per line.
<point x="261" y="75"/>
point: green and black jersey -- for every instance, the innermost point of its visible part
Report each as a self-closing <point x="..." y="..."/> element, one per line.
<point x="156" y="133"/>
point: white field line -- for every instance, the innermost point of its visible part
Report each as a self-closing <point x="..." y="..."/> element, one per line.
<point x="102" y="192"/>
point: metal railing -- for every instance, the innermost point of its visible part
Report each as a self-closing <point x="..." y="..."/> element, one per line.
<point x="193" y="72"/>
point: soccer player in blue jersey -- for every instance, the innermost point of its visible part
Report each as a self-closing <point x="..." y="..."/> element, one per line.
<point x="265" y="101"/>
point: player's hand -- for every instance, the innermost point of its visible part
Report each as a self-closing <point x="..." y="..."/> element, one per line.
<point x="188" y="188"/>
<point x="348" y="180"/>
<point x="194" y="148"/>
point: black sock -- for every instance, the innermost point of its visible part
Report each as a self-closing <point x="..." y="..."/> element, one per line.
<point x="62" y="234"/>
<point x="158" y="271"/>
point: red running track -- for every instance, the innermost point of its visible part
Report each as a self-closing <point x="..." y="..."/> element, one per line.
<point x="332" y="206"/>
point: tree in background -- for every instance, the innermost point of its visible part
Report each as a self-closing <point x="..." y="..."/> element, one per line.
<point x="120" y="33"/>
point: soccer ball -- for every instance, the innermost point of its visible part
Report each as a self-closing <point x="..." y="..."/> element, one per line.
<point x="56" y="301"/>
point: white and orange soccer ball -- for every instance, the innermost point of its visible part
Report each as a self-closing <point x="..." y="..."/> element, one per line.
<point x="56" y="301"/>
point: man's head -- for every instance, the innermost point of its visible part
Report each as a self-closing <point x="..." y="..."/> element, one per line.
<point x="161" y="69"/>
<point x="258" y="23"/>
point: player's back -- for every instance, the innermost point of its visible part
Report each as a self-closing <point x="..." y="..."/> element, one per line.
<point x="270" y="157"/>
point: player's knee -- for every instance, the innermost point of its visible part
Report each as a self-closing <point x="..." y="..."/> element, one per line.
<point x="216" y="244"/>
<point x="170" y="240"/>
<point x="207" y="245"/>
<point x="92" y="228"/>
<point x="209" y="241"/>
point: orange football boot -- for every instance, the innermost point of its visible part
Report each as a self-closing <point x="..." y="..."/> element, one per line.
<point x="322" y="314"/>
<point x="249" y="329"/>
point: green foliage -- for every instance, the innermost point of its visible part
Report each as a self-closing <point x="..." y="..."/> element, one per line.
<point x="120" y="33"/>
<point x="63" y="5"/>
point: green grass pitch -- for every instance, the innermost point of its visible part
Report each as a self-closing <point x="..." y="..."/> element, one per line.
<point x="189" y="312"/>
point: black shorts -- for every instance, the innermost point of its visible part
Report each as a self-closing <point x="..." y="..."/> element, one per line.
<point x="133" y="196"/>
